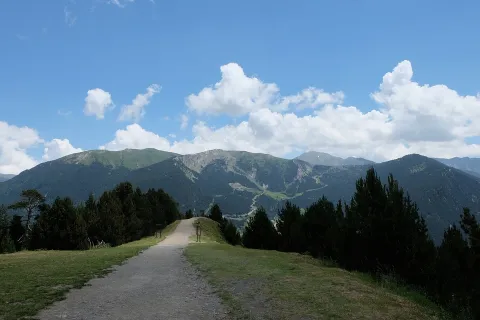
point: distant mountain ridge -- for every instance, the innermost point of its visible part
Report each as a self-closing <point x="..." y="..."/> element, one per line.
<point x="469" y="165"/>
<point x="129" y="158"/>
<point x="240" y="181"/>
<point x="325" y="159"/>
<point x="5" y="177"/>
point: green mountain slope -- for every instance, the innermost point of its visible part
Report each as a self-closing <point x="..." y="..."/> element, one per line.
<point x="129" y="158"/>
<point x="5" y="177"/>
<point x="79" y="174"/>
<point x="240" y="181"/>
<point x="469" y="165"/>
<point x="325" y="159"/>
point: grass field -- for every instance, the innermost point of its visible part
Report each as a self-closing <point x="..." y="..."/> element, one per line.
<point x="258" y="284"/>
<point x="31" y="280"/>
<point x="210" y="231"/>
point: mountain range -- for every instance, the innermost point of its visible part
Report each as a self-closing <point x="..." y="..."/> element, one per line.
<point x="5" y="177"/>
<point x="241" y="181"/>
<point x="325" y="159"/>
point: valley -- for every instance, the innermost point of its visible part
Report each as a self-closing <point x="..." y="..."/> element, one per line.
<point x="241" y="181"/>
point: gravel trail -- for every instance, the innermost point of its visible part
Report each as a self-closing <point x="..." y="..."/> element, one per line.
<point x="157" y="284"/>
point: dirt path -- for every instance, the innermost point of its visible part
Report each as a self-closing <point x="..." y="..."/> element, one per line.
<point x="157" y="284"/>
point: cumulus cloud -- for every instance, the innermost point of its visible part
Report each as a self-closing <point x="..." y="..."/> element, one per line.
<point x="14" y="144"/>
<point x="135" y="137"/>
<point x="184" y="121"/>
<point x="58" y="148"/>
<point x="136" y="110"/>
<point x="236" y="94"/>
<point x="120" y="3"/>
<point x="408" y="118"/>
<point x="97" y="102"/>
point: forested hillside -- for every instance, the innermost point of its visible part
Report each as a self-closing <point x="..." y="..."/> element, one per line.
<point x="240" y="181"/>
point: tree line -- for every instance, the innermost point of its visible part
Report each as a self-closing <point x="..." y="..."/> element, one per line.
<point x="120" y="215"/>
<point x="382" y="233"/>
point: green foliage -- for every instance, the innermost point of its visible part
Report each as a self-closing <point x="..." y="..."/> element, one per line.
<point x="189" y="214"/>
<point x="259" y="232"/>
<point x="289" y="225"/>
<point x="121" y="215"/>
<point x="230" y="232"/>
<point x="32" y="280"/>
<point x="17" y="230"/>
<point x="381" y="233"/>
<point x="6" y="242"/>
<point x="30" y="201"/>
<point x="321" y="225"/>
<point x="216" y="214"/>
<point x="193" y="180"/>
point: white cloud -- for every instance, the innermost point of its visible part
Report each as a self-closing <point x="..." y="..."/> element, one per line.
<point x="426" y="113"/>
<point x="58" y="148"/>
<point x="136" y="110"/>
<point x="14" y="144"/>
<point x="120" y="3"/>
<point x="184" y="121"/>
<point x="70" y="19"/>
<point x="64" y="113"/>
<point x="237" y="94"/>
<point x="97" y="103"/>
<point x="135" y="137"/>
<point x="410" y="118"/>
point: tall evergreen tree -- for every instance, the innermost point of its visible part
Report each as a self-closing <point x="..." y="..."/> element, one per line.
<point x="452" y="271"/>
<point x="322" y="229"/>
<point x="289" y="225"/>
<point x="17" y="230"/>
<point x="230" y="232"/>
<point x="6" y="242"/>
<point x="259" y="232"/>
<point x="30" y="202"/>
<point x="111" y="218"/>
<point x="216" y="214"/>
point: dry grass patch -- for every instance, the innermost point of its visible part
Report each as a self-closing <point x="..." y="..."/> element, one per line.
<point x="259" y="284"/>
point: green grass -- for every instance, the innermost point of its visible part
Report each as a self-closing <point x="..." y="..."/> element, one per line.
<point x="32" y="280"/>
<point x="258" y="284"/>
<point x="210" y="231"/>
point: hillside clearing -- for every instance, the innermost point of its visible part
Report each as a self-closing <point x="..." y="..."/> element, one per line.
<point x="210" y="231"/>
<point x="32" y="280"/>
<point x="258" y="284"/>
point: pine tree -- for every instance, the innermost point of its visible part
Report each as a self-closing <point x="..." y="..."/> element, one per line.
<point x="17" y="230"/>
<point x="30" y="202"/>
<point x="289" y="225"/>
<point x="189" y="214"/>
<point x="6" y="242"/>
<point x="230" y="232"/>
<point x="322" y="229"/>
<point x="452" y="271"/>
<point x="259" y="232"/>
<point x="216" y="214"/>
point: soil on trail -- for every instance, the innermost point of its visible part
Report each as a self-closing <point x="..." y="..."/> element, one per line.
<point x="157" y="284"/>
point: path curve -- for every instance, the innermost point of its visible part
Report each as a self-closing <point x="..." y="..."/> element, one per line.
<point x="157" y="284"/>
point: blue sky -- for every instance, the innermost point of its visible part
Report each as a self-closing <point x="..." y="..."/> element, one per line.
<point x="54" y="52"/>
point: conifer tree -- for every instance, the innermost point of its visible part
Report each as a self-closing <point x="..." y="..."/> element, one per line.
<point x="216" y="214"/>
<point x="259" y="232"/>
<point x="289" y="225"/>
<point x="322" y="229"/>
<point x="6" y="242"/>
